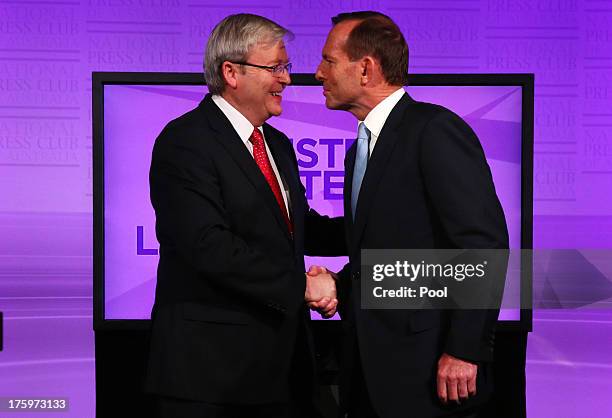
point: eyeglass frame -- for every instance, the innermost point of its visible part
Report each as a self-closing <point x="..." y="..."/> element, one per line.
<point x="276" y="70"/>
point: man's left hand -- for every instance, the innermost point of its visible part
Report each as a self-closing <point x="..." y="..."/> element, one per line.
<point x="456" y="379"/>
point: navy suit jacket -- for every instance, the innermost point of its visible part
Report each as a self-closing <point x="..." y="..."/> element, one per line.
<point x="229" y="301"/>
<point x="427" y="186"/>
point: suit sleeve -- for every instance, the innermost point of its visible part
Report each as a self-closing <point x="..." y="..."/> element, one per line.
<point x="343" y="287"/>
<point x="191" y="220"/>
<point x="323" y="236"/>
<point x="459" y="184"/>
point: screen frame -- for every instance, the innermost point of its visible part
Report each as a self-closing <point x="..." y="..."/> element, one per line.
<point x="101" y="79"/>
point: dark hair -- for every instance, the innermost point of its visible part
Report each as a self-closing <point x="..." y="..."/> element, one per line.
<point x="378" y="36"/>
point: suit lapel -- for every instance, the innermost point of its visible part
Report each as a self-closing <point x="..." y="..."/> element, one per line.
<point x="287" y="174"/>
<point x="230" y="140"/>
<point x="376" y="166"/>
<point x="349" y="167"/>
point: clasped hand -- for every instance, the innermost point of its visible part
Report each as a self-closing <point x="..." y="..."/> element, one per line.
<point x="321" y="291"/>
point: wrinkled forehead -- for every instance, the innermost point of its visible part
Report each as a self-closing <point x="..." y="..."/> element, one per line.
<point x="268" y="47"/>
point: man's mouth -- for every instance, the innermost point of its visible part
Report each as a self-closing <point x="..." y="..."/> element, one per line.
<point x="277" y="94"/>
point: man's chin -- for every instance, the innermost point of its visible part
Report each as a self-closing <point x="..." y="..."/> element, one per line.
<point x="331" y="105"/>
<point x="272" y="108"/>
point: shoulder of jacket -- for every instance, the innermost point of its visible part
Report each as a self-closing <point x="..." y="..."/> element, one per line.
<point x="183" y="129"/>
<point x="428" y="111"/>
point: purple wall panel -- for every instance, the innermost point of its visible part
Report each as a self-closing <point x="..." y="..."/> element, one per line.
<point x="49" y="48"/>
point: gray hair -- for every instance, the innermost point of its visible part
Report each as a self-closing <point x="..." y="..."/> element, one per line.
<point x="232" y="40"/>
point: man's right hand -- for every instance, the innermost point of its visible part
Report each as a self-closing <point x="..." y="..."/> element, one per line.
<point x="321" y="291"/>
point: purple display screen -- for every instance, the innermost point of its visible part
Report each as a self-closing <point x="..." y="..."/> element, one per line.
<point x="134" y="115"/>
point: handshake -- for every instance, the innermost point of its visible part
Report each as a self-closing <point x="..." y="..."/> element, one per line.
<point x="321" y="293"/>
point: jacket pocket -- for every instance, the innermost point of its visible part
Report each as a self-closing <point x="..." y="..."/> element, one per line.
<point x="207" y="313"/>
<point x="421" y="320"/>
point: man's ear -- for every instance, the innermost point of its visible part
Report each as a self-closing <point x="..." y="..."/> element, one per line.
<point x="367" y="68"/>
<point x="229" y="74"/>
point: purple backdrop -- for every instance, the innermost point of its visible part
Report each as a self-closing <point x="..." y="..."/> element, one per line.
<point x="48" y="49"/>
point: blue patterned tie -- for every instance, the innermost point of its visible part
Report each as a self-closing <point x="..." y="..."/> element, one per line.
<point x="361" y="163"/>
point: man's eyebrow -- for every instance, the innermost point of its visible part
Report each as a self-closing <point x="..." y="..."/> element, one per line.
<point x="279" y="61"/>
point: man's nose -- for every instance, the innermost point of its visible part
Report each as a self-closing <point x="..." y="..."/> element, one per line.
<point x="319" y="74"/>
<point x="285" y="78"/>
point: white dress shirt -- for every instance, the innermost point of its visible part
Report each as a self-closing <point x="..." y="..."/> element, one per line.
<point x="375" y="120"/>
<point x="244" y="128"/>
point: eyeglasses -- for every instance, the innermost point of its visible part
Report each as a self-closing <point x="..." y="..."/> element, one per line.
<point x="276" y="70"/>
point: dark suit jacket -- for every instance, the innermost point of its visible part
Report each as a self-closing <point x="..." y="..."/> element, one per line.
<point x="427" y="186"/>
<point x="230" y="282"/>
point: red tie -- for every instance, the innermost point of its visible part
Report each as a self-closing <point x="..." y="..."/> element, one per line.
<point x="261" y="158"/>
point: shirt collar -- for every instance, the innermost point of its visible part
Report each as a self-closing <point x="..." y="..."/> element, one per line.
<point x="375" y="120"/>
<point x="239" y="122"/>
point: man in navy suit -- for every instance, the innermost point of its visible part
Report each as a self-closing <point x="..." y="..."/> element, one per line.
<point x="229" y="331"/>
<point x="416" y="178"/>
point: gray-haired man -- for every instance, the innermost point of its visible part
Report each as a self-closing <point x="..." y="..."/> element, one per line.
<point x="229" y="333"/>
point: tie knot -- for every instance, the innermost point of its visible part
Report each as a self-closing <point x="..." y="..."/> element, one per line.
<point x="256" y="137"/>
<point x="363" y="131"/>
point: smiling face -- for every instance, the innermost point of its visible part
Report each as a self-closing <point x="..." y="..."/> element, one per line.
<point x="258" y="93"/>
<point x="340" y="76"/>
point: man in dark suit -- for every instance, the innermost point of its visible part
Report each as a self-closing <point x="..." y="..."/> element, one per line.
<point x="229" y="335"/>
<point x="416" y="178"/>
